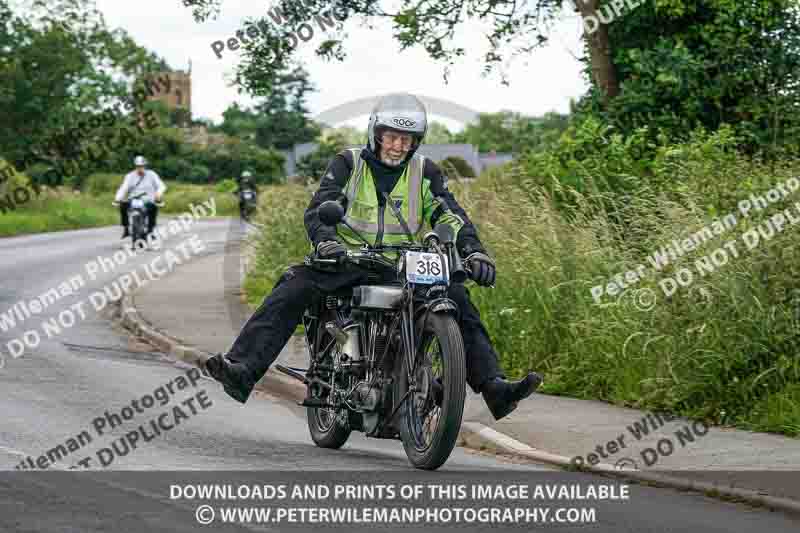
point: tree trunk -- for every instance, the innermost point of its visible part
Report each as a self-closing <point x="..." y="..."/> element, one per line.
<point x="596" y="35"/>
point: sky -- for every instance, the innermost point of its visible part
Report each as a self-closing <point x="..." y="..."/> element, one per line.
<point x="543" y="81"/>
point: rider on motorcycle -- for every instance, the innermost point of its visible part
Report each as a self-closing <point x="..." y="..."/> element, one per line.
<point x="246" y="183"/>
<point x="140" y="180"/>
<point x="359" y="178"/>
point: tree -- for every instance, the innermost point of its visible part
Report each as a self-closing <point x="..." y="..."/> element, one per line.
<point x="238" y="122"/>
<point x="283" y="119"/>
<point x="438" y="134"/>
<point x="349" y="134"/>
<point x="314" y="164"/>
<point x="685" y="64"/>
<point x="61" y="66"/>
<point x="279" y="119"/>
<point x="509" y="131"/>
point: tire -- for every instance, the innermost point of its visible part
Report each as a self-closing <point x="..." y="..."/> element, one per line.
<point x="327" y="433"/>
<point x="137" y="230"/>
<point x="443" y="329"/>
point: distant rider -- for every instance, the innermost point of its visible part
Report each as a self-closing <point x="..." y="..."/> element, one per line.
<point x="246" y="183"/>
<point x="140" y="180"/>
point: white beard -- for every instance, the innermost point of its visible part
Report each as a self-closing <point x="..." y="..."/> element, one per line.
<point x="386" y="160"/>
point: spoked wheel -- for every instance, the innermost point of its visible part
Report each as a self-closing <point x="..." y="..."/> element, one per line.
<point x="329" y="428"/>
<point x="429" y="432"/>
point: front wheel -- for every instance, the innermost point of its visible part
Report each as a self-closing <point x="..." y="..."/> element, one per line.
<point x="429" y="432"/>
<point x="137" y="225"/>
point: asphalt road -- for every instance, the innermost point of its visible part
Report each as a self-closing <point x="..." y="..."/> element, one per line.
<point x="56" y="391"/>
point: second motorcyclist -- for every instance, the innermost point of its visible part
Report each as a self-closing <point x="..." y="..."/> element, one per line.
<point x="247" y="202"/>
<point x="140" y="180"/>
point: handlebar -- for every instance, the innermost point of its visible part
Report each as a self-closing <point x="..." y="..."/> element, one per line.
<point x="159" y="204"/>
<point x="350" y="256"/>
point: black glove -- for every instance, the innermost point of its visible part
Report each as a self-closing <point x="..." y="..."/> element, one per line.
<point x="482" y="269"/>
<point x="330" y="249"/>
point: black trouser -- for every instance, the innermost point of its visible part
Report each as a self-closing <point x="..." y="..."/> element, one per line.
<point x="152" y="215"/>
<point x="268" y="330"/>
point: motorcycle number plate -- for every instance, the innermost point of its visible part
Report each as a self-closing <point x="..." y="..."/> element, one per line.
<point x="248" y="195"/>
<point x="425" y="268"/>
<point x="137" y="203"/>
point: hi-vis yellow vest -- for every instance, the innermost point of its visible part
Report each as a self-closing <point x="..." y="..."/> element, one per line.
<point x="411" y="194"/>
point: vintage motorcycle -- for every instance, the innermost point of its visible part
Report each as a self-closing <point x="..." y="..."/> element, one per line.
<point x="387" y="358"/>
<point x="247" y="203"/>
<point x="138" y="219"/>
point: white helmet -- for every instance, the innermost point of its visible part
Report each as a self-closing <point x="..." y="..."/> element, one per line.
<point x="140" y="161"/>
<point x="401" y="112"/>
<point x="247" y="174"/>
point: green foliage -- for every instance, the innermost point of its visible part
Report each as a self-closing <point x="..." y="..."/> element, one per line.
<point x="280" y="208"/>
<point x="238" y="122"/>
<point x="179" y="196"/>
<point x="279" y="118"/>
<point x="50" y="77"/>
<point x="314" y="164"/>
<point x="438" y="134"/>
<point x="589" y="157"/>
<point x="507" y="131"/>
<point x="457" y="167"/>
<point x="226" y="185"/>
<point x="348" y="134"/>
<point x="175" y="168"/>
<point x="57" y="210"/>
<point x="686" y="64"/>
<point x="198" y="174"/>
<point x="97" y="184"/>
<point x="11" y="179"/>
<point x="234" y="156"/>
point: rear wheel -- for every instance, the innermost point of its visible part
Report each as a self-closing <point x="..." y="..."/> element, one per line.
<point x="429" y="432"/>
<point x="329" y="428"/>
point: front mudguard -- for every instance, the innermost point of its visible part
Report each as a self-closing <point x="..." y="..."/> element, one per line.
<point x="440" y="306"/>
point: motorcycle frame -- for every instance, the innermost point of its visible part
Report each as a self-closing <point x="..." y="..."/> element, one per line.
<point x="141" y="211"/>
<point x="405" y="317"/>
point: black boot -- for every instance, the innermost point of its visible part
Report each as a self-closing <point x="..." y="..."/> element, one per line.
<point x="125" y="233"/>
<point x="502" y="397"/>
<point x="235" y="378"/>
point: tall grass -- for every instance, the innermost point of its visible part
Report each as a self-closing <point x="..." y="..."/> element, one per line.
<point x="56" y="210"/>
<point x="282" y="242"/>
